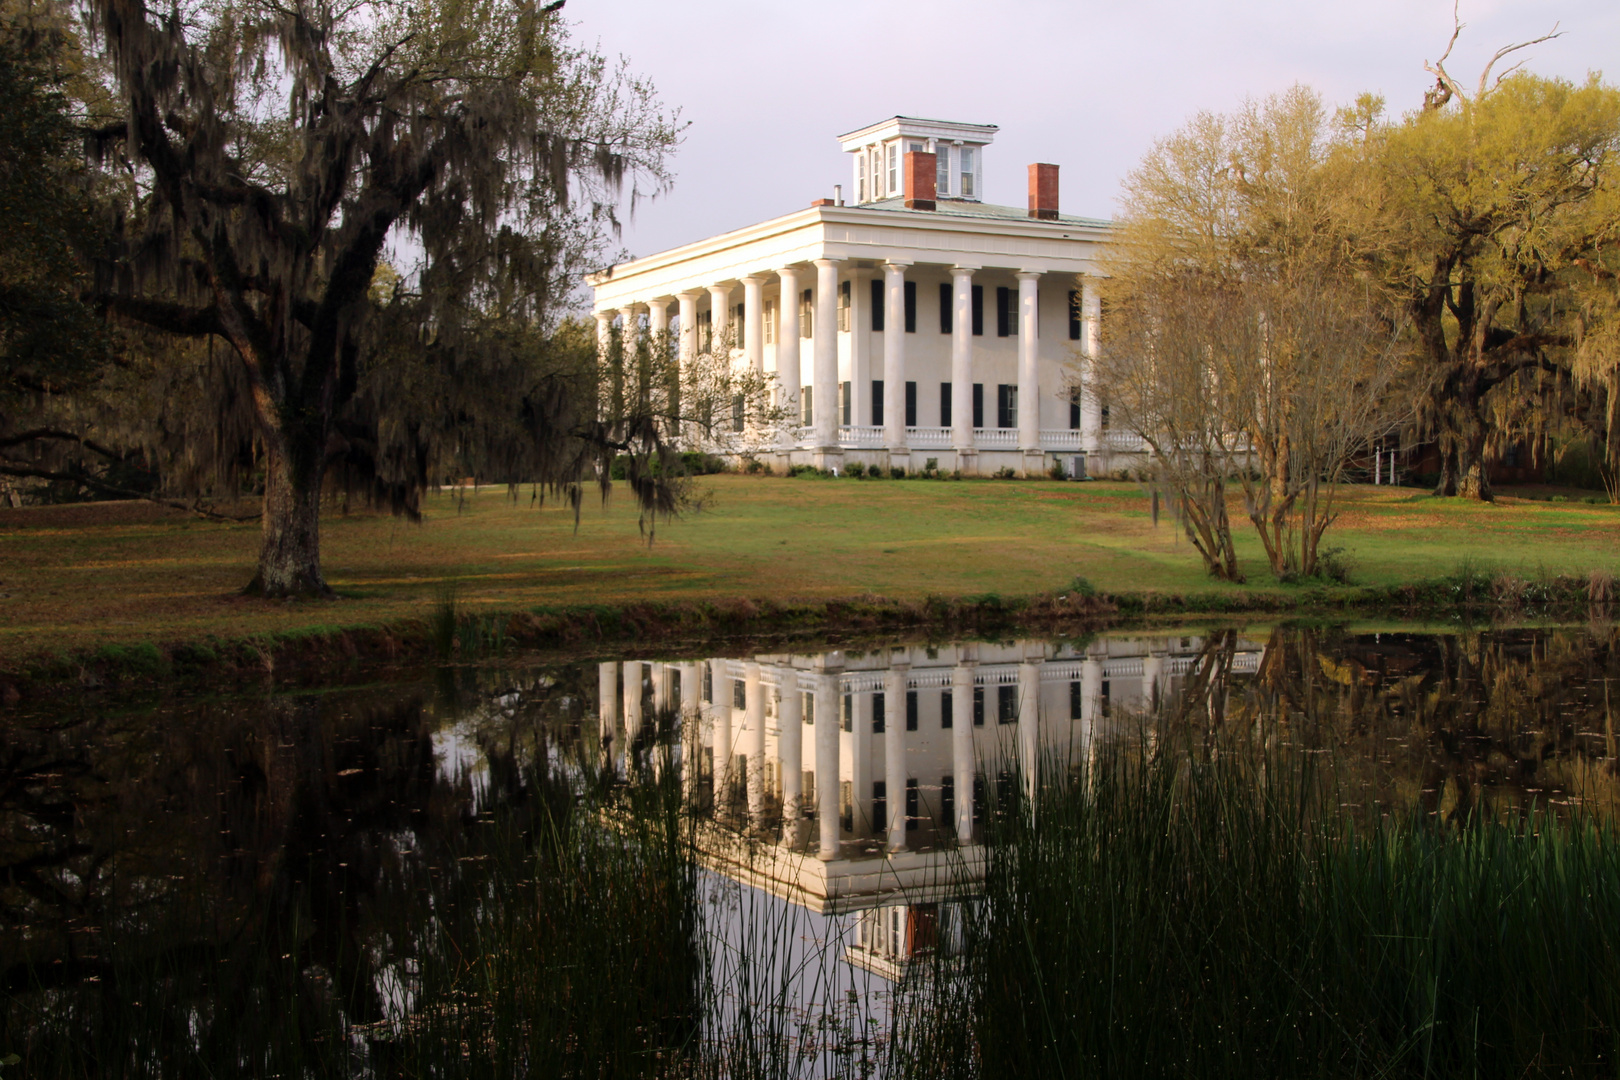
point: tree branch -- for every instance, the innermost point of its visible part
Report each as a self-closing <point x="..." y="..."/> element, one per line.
<point x="196" y="506"/>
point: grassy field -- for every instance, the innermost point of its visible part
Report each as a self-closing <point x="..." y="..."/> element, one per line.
<point x="81" y="576"/>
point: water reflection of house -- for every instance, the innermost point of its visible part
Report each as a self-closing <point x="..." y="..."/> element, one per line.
<point x="844" y="780"/>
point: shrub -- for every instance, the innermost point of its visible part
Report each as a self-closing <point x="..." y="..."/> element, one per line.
<point x="896" y="473"/>
<point x="1082" y="587"/>
<point x="855" y="469"/>
<point x="1057" y="472"/>
<point x="1003" y="473"/>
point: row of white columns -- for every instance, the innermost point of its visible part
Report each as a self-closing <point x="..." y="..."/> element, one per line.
<point x="824" y="355"/>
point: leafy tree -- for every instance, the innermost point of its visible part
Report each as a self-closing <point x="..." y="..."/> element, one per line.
<point x="1491" y="219"/>
<point x="282" y="151"/>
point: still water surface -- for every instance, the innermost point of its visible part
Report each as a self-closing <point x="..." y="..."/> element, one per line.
<point x="839" y="798"/>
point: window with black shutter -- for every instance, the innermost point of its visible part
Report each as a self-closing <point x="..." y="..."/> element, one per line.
<point x="849" y="712"/>
<point x="1074" y="410"/>
<point x="1006" y="406"/>
<point x="947" y="799"/>
<point x="913" y="805"/>
<point x="978" y="706"/>
<point x="911" y="404"/>
<point x="1006" y="704"/>
<point x="947" y="711"/>
<point x="978" y="311"/>
<point x="1077" y="700"/>
<point x="807" y="311"/>
<point x="877" y="402"/>
<point x="911" y="307"/>
<point x="880" y="804"/>
<point x="878" y="718"/>
<point x="944" y="307"/>
<point x="843" y="306"/>
<point x="1004" y="311"/>
<point x="739" y="694"/>
<point x="1074" y="314"/>
<point x="877" y="305"/>
<point x="944" y="404"/>
<point x="912" y="710"/>
<point x="978" y="404"/>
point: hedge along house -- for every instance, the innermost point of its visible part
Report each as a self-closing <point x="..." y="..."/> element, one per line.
<point x="916" y="323"/>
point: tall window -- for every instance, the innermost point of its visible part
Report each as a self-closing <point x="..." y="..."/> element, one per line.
<point x="807" y="413"/>
<point x="911" y="307"/>
<point x="877" y="402"/>
<point x="947" y="709"/>
<point x="1006" y="406"/>
<point x="738" y="323"/>
<point x="944" y="404"/>
<point x="1074" y="314"/>
<point x="978" y="311"/>
<point x="878" y="716"/>
<point x="1074" y="410"/>
<point x="912" y="710"/>
<point x="942" y="169"/>
<point x="978" y="404"/>
<point x="967" y="172"/>
<point x="845" y="394"/>
<point x="806" y="311"/>
<point x="843" y="306"/>
<point x="1006" y="704"/>
<point x="705" y="330"/>
<point x="770" y="321"/>
<point x="1006" y="311"/>
<point x="945" y="297"/>
<point x="894" y="168"/>
<point x="911" y="404"/>
<point x="877" y="305"/>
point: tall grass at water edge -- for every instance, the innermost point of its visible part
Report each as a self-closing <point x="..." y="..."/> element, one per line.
<point x="1160" y="915"/>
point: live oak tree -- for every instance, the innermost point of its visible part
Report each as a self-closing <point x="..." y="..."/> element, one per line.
<point x="283" y="150"/>
<point x="1492" y="222"/>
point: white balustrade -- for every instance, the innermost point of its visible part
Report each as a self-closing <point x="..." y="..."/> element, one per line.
<point x="861" y="436"/>
<point x="989" y="438"/>
<point x="1061" y="440"/>
<point x="1127" y="442"/>
<point x="928" y="437"/>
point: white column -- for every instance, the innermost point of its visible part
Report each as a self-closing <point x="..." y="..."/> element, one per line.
<point x="691" y="728"/>
<point x="860" y="761"/>
<point x="1029" y="401"/>
<point x="657" y="317"/>
<point x="719" y="310"/>
<point x="632" y="711"/>
<point x="1152" y="678"/>
<point x="1090" y="404"/>
<point x="1091" y="680"/>
<point x="894" y="751"/>
<point x="787" y="350"/>
<point x="790" y="749"/>
<point x="630" y="327"/>
<point x="1029" y="743"/>
<point x="894" y="355"/>
<point x="825" y="329"/>
<point x="607" y="701"/>
<point x="754" y="742"/>
<point x="962" y="358"/>
<point x="962" y="747"/>
<point x="722" y="734"/>
<point x="826" y="698"/>
<point x="660" y="687"/>
<point x="754" y="322"/>
<point x="687" y="348"/>
<point x="604" y="329"/>
<point x="860" y="347"/>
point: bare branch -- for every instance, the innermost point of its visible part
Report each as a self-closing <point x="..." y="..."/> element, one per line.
<point x="1505" y="50"/>
<point x="1445" y="87"/>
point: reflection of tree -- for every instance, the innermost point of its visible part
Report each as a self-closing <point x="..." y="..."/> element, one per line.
<point x="1445" y="723"/>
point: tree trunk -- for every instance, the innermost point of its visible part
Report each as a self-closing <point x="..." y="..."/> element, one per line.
<point x="290" y="551"/>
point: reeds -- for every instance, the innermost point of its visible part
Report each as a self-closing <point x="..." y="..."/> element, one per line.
<point x="1159" y="915"/>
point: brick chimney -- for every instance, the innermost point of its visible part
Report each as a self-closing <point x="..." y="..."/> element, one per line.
<point x="921" y="178"/>
<point x="1043" y="192"/>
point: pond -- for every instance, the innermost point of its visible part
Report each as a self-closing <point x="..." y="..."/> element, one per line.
<point x="825" y="862"/>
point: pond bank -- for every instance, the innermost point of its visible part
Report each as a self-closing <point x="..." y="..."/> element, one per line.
<point x="449" y="633"/>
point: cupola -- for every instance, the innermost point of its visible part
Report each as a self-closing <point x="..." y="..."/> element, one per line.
<point x="879" y="152"/>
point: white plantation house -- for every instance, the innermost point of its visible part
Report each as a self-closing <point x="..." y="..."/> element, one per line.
<point x="915" y="322"/>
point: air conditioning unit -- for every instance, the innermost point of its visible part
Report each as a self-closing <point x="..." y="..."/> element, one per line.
<point x="1077" y="467"/>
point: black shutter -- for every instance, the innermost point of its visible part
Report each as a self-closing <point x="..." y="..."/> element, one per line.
<point x="947" y="799"/>
<point x="945" y="307"/>
<point x="1006" y="704"/>
<point x="877" y="304"/>
<point x="944" y="404"/>
<point x="911" y="404"/>
<point x="878" y="715"/>
<point x="911" y="307"/>
<point x="877" y="402"/>
<point x="978" y="706"/>
<point x="1077" y="701"/>
<point x="880" y="805"/>
<point x="1003" y="316"/>
<point x="978" y="311"/>
<point x="1074" y="314"/>
<point x="1074" y="411"/>
<point x="978" y="404"/>
<point x="947" y="710"/>
<point x="912" y="710"/>
<point x="913" y="804"/>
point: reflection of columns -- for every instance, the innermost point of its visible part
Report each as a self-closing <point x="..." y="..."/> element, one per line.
<point x="1029" y="402"/>
<point x="607" y="701"/>
<point x="753" y="328"/>
<point x="719" y="317"/>
<point x="790" y="749"/>
<point x="1091" y="677"/>
<point x="660" y="688"/>
<point x="962" y="747"/>
<point x="825" y="346"/>
<point x="826" y="699"/>
<point x="722" y="733"/>
<point x="632" y="710"/>
<point x="787" y="349"/>
<point x="1029" y="723"/>
<point x="962" y="358"/>
<point x="1152" y="678"/>
<point x="894" y="355"/>
<point x="1090" y="403"/>
<point x="894" y="751"/>
<point x="754" y="743"/>
<point x="860" y="764"/>
<point x="691" y="729"/>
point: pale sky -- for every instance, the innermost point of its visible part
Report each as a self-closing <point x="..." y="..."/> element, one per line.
<point x="767" y="85"/>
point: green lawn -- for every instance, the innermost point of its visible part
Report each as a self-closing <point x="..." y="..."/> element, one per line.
<point x="76" y="577"/>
